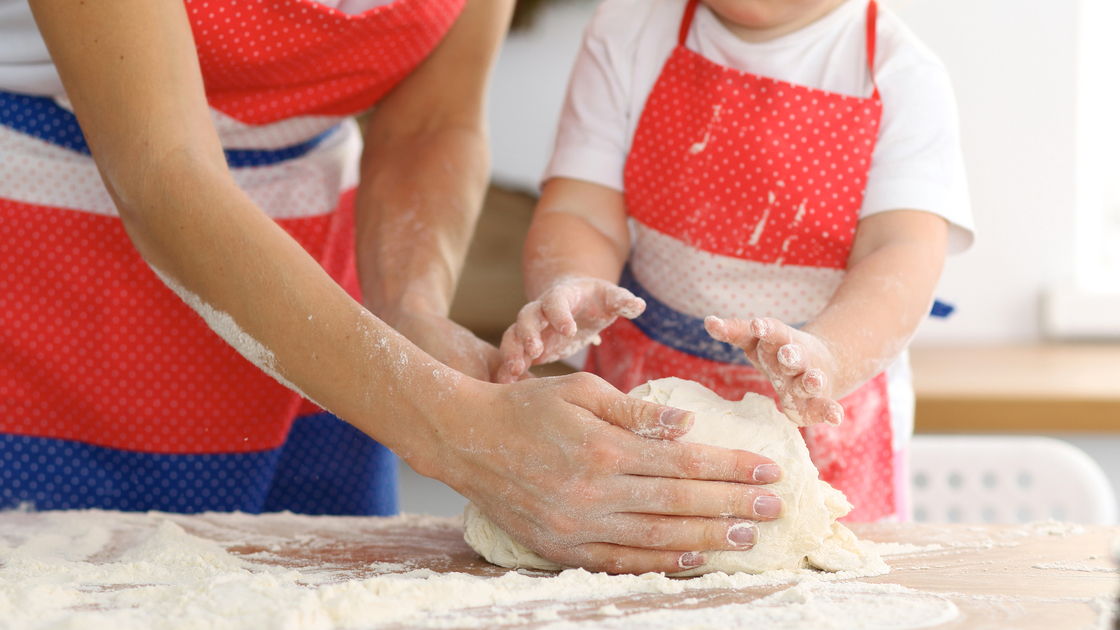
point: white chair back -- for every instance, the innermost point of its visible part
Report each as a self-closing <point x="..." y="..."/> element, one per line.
<point x="1006" y="479"/>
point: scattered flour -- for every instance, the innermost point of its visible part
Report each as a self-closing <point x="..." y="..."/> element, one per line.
<point x="224" y="325"/>
<point x="1075" y="566"/>
<point x="97" y="570"/>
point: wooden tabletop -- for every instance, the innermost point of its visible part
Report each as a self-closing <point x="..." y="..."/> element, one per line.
<point x="1041" y="388"/>
<point x="1042" y="575"/>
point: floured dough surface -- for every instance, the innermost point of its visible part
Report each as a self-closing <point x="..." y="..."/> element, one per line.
<point x="806" y="536"/>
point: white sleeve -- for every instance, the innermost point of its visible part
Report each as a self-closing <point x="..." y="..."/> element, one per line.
<point x="917" y="163"/>
<point x="591" y="141"/>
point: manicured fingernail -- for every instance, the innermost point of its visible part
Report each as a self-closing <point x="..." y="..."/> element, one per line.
<point x="767" y="473"/>
<point x="768" y="505"/>
<point x="742" y="534"/>
<point x="834" y="416"/>
<point x="690" y="560"/>
<point x="674" y="418"/>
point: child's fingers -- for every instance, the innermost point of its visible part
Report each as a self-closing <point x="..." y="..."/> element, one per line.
<point x="823" y="410"/>
<point x="771" y="331"/>
<point x="793" y="358"/>
<point x="513" y="353"/>
<point x="556" y="308"/>
<point x="530" y="322"/>
<point x="736" y="332"/>
<point x="812" y="382"/>
<point x="624" y="303"/>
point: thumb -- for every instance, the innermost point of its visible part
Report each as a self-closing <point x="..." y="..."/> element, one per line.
<point x="646" y="419"/>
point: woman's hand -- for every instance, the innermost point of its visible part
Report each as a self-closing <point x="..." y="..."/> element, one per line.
<point x="449" y="343"/>
<point x="590" y="477"/>
<point x="800" y="366"/>
<point x="564" y="319"/>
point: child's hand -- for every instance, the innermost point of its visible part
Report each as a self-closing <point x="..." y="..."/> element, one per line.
<point x="564" y="319"/>
<point x="799" y="365"/>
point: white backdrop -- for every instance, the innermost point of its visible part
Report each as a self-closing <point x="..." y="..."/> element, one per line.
<point x="1014" y="68"/>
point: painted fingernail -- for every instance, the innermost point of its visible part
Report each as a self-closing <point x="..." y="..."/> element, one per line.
<point x="767" y="473"/>
<point x="742" y="534"/>
<point x="674" y="418"/>
<point x="768" y="505"/>
<point x="690" y="560"/>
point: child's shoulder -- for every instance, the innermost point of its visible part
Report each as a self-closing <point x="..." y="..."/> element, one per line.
<point x="900" y="50"/>
<point x="629" y="20"/>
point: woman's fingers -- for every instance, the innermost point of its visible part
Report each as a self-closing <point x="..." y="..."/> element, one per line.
<point x="685" y="460"/>
<point x="609" y="558"/>
<point x="687" y="497"/>
<point x="643" y="418"/>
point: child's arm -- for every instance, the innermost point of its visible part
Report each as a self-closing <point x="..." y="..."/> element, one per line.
<point x="574" y="254"/>
<point x="893" y="269"/>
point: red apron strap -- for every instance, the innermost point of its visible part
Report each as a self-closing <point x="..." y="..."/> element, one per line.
<point x="872" y="14"/>
<point x="686" y="21"/>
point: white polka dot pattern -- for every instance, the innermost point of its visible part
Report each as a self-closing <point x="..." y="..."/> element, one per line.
<point x="700" y="283"/>
<point x="40" y="173"/>
<point x="744" y="194"/>
<point x="267" y="61"/>
<point x="751" y="167"/>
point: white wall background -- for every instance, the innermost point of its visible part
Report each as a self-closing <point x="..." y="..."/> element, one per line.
<point x="1014" y="68"/>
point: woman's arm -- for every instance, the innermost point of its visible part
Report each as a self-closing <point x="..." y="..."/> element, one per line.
<point x="894" y="266"/>
<point x="424" y="174"/>
<point x="536" y="456"/>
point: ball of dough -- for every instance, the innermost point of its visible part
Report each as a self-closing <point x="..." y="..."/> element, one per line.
<point x="806" y="535"/>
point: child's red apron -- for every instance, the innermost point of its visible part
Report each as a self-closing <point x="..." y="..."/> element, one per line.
<point x="734" y="170"/>
<point x="95" y="352"/>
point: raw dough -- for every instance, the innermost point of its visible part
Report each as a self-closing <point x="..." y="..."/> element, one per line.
<point x="807" y="534"/>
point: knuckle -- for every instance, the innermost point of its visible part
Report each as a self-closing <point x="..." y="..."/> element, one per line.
<point x="603" y="454"/>
<point x="564" y="529"/>
<point x="659" y="533"/>
<point x="692" y="464"/>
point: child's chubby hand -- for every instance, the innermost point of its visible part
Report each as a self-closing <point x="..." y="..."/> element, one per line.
<point x="564" y="319"/>
<point x="798" y="364"/>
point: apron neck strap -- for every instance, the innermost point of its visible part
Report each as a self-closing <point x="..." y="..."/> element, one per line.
<point x="872" y="14"/>
<point x="686" y="21"/>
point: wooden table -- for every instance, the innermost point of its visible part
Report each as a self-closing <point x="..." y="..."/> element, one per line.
<point x="1042" y="388"/>
<point x="1043" y="575"/>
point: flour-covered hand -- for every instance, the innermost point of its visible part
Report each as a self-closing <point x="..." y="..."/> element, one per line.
<point x="799" y="365"/>
<point x="564" y="319"/>
<point x="589" y="477"/>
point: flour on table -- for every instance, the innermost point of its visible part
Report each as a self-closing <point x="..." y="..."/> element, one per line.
<point x="806" y="536"/>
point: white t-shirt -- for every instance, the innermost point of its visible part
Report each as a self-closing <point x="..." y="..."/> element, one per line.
<point x="917" y="162"/>
<point x="25" y="64"/>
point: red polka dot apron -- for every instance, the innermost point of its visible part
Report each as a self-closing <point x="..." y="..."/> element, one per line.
<point x="114" y="393"/>
<point x="744" y="193"/>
